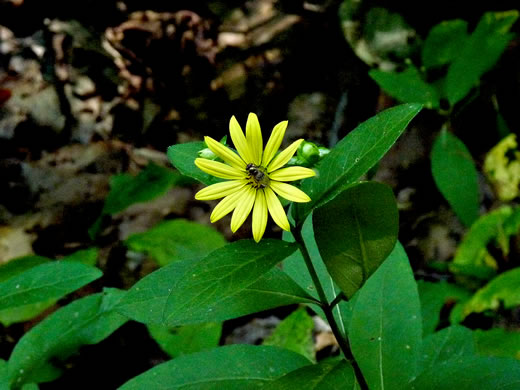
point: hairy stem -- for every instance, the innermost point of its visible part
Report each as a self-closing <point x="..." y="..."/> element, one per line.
<point x="327" y="309"/>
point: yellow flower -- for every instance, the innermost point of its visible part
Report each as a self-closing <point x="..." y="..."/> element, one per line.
<point x="255" y="175"/>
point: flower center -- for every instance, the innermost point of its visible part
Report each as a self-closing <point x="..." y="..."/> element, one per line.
<point x="257" y="176"/>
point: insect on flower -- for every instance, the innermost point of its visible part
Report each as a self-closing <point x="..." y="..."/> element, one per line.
<point x="256" y="176"/>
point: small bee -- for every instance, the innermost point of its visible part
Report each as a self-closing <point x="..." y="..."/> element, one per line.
<point x="257" y="174"/>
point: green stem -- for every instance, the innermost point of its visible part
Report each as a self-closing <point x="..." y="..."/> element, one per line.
<point x="327" y="309"/>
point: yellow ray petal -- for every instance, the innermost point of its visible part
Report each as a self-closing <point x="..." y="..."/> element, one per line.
<point x="225" y="153"/>
<point x="227" y="204"/>
<point x="289" y="192"/>
<point x="284" y="157"/>
<point x="276" y="210"/>
<point x="259" y="215"/>
<point x="220" y="190"/>
<point x="219" y="169"/>
<point x="239" y="140"/>
<point x="291" y="174"/>
<point x="243" y="208"/>
<point x="274" y="142"/>
<point x="254" y="138"/>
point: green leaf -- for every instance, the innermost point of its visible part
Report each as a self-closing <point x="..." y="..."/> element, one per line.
<point x="295" y="334"/>
<point x="85" y="321"/>
<point x="355" y="233"/>
<point x="502" y="289"/>
<point x="407" y="87"/>
<point x="456" y="177"/>
<point x="175" y="240"/>
<point x="497" y="342"/>
<point x="479" y="53"/>
<point x="233" y="367"/>
<point x="294" y="266"/>
<point x="186" y="339"/>
<point x="326" y="375"/>
<point x="17" y="266"/>
<point x="4" y="380"/>
<point x="126" y="190"/>
<point x="183" y="156"/>
<point x="470" y="373"/>
<point x="51" y="280"/>
<point x="444" y="43"/>
<point x="433" y="298"/>
<point x="354" y="155"/>
<point x="24" y="313"/>
<point x="385" y="330"/>
<point x="472" y="257"/>
<point x="449" y="343"/>
<point x="228" y="283"/>
<point x="85" y="256"/>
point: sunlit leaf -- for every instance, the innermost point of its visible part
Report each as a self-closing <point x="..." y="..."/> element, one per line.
<point x="502" y="168"/>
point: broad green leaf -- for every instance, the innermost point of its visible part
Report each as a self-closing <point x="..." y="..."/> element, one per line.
<point x="355" y="233"/>
<point x="14" y="267"/>
<point x="502" y="289"/>
<point x="502" y="168"/>
<point x="433" y="297"/>
<point x="84" y="321"/>
<point x="85" y="256"/>
<point x="183" y="156"/>
<point x="497" y="342"/>
<point x="470" y="373"/>
<point x="444" y="43"/>
<point x="295" y="267"/>
<point x="175" y="240"/>
<point x="232" y="281"/>
<point x="4" y="380"/>
<point x="333" y="374"/>
<point x="354" y="155"/>
<point x="479" y="53"/>
<point x="186" y="339"/>
<point x="407" y="87"/>
<point x="17" y="266"/>
<point x="126" y="190"/>
<point x="233" y="367"/>
<point x="472" y="257"/>
<point x="295" y="334"/>
<point x="51" y="280"/>
<point x="449" y="343"/>
<point x="385" y="330"/>
<point x="456" y="177"/>
<point x="24" y="313"/>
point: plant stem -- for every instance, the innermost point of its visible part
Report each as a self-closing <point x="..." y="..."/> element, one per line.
<point x="327" y="309"/>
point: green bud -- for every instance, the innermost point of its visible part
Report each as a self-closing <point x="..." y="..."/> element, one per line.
<point x="207" y="154"/>
<point x="309" y="152"/>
